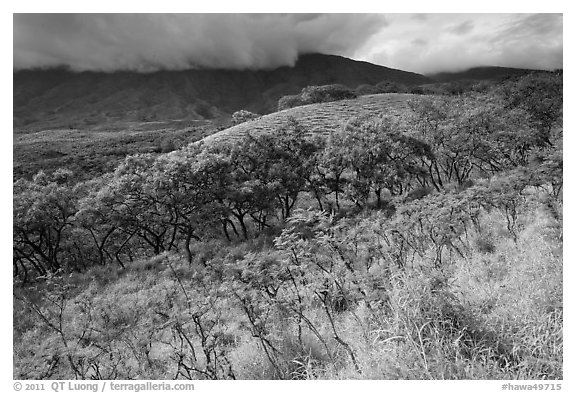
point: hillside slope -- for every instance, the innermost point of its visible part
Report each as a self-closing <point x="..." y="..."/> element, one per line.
<point x="320" y="118"/>
<point x="48" y="99"/>
<point x="99" y="150"/>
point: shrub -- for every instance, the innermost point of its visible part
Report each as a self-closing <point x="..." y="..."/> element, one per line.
<point x="291" y="101"/>
<point x="485" y="244"/>
<point x="418" y="193"/>
<point x="391" y="87"/>
<point x="243" y="116"/>
<point x="416" y="90"/>
<point x="366" y="89"/>
<point x="382" y="87"/>
<point x="167" y="145"/>
<point x="316" y="94"/>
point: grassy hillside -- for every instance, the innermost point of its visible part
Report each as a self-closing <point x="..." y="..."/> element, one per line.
<point x="321" y="118"/>
<point x="422" y="240"/>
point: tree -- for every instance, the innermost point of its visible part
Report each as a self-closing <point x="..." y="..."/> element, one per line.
<point x="288" y="157"/>
<point x="473" y="135"/>
<point x="268" y="172"/>
<point x="163" y="203"/>
<point x="134" y="208"/>
<point x="188" y="185"/>
<point x="244" y="193"/>
<point x="541" y="96"/>
<point x="93" y="219"/>
<point x="379" y="156"/>
<point x="42" y="215"/>
<point x="330" y="169"/>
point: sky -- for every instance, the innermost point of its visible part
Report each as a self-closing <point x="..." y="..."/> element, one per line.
<point x="423" y="43"/>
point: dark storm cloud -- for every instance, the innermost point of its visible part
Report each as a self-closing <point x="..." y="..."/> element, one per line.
<point x="413" y="42"/>
<point x="147" y="42"/>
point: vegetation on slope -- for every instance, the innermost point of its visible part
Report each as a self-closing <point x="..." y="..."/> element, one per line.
<point x="325" y="301"/>
<point x="90" y="153"/>
<point x="415" y="247"/>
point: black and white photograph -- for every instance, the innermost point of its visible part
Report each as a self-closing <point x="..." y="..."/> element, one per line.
<point x="287" y="196"/>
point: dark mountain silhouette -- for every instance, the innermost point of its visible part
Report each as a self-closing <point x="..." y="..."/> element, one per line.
<point x="59" y="98"/>
<point x="481" y="73"/>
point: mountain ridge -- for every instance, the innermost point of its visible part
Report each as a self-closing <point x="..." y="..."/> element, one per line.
<point x="59" y="98"/>
<point x="480" y="73"/>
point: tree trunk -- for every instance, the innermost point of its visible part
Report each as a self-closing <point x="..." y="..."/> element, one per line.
<point x="225" y="229"/>
<point x="187" y="248"/>
<point x="240" y="218"/>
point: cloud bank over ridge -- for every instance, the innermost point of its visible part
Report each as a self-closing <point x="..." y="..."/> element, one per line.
<point x="148" y="42"/>
<point x="423" y="43"/>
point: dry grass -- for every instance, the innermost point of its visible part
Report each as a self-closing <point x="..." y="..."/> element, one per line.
<point x="499" y="315"/>
<point x="495" y="312"/>
<point x="321" y="118"/>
